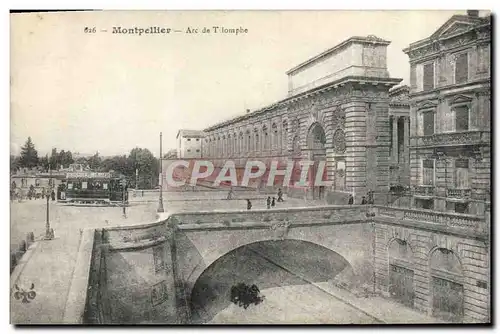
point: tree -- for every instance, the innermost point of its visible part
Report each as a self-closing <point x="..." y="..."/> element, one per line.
<point x="147" y="165"/>
<point x="94" y="162"/>
<point x="68" y="158"/>
<point x="54" y="159"/>
<point x="65" y="158"/>
<point x="29" y="155"/>
<point x="14" y="163"/>
<point x="44" y="162"/>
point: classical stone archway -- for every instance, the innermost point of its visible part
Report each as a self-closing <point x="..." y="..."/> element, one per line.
<point x="268" y="264"/>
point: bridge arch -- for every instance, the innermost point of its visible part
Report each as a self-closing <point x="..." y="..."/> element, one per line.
<point x="266" y="263"/>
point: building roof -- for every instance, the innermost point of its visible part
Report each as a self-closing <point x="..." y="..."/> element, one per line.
<point x="371" y="39"/>
<point x="455" y="25"/>
<point x="360" y="39"/>
<point x="399" y="96"/>
<point x="190" y="133"/>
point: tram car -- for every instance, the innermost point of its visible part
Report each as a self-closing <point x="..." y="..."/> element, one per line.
<point x="95" y="188"/>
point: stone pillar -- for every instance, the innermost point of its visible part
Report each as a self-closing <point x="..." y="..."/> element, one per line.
<point x="406" y="149"/>
<point x="182" y="307"/>
<point x="356" y="140"/>
<point x="395" y="152"/>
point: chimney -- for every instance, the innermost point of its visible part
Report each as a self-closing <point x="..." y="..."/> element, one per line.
<point x="473" y="13"/>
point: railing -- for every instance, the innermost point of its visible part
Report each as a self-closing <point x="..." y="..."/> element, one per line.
<point x="458" y="193"/>
<point x="306" y="215"/>
<point x="454" y="138"/>
<point x="446" y="219"/>
<point x="423" y="190"/>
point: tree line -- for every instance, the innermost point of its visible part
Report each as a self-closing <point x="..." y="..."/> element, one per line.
<point x="140" y="159"/>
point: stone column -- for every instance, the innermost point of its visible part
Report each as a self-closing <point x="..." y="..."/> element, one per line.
<point x="356" y="141"/>
<point x="394" y="134"/>
<point x="406" y="149"/>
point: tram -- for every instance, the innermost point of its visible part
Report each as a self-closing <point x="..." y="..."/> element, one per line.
<point x="95" y="188"/>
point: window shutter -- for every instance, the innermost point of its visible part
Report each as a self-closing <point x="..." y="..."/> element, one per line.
<point x="420" y="124"/>
<point x="462" y="173"/>
<point x="429" y="76"/>
<point x="462" y="68"/>
<point x="420" y="77"/>
<point x="462" y="118"/>
<point x="447" y="120"/>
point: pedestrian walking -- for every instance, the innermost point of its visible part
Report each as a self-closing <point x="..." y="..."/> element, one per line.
<point x="230" y="194"/>
<point x="363" y="200"/>
<point x="273" y="203"/>
<point x="269" y="202"/>
<point x="351" y="199"/>
<point x="249" y="205"/>
<point x="53" y="195"/>
<point x="280" y="195"/>
<point x="370" y="197"/>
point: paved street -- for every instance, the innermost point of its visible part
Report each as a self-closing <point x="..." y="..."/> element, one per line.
<point x="52" y="279"/>
<point x="319" y="304"/>
<point x="295" y="304"/>
<point x="30" y="216"/>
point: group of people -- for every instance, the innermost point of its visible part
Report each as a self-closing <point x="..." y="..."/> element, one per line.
<point x="364" y="199"/>
<point x="271" y="201"/>
<point x="244" y="295"/>
<point x="16" y="193"/>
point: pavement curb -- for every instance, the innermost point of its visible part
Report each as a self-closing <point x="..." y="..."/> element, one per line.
<point x="14" y="277"/>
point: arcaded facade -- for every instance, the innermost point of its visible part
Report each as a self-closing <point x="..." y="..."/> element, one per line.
<point x="337" y="111"/>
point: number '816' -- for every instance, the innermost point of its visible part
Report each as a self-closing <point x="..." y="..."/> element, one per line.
<point x="89" y="30"/>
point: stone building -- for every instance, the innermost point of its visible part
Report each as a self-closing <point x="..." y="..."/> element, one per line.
<point x="189" y="144"/>
<point x="445" y="272"/>
<point x="337" y="110"/>
<point x="450" y="116"/>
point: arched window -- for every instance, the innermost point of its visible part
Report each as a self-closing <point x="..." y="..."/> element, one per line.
<point x="248" y="146"/>
<point x="274" y="137"/>
<point x="257" y="143"/>
<point x="241" y="144"/>
<point x="236" y="150"/>
<point x="284" y="136"/>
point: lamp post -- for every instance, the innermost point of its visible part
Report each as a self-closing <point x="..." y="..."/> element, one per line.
<point x="124" y="184"/>
<point x="160" y="204"/>
<point x="136" y="179"/>
<point x="48" y="232"/>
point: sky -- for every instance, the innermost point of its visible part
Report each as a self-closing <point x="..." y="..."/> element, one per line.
<point x="89" y="92"/>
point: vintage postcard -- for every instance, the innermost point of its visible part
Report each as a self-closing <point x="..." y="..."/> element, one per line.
<point x="250" y="167"/>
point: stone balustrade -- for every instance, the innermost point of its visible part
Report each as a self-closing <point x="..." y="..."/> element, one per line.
<point x="296" y="216"/>
<point x="458" y="193"/>
<point x="453" y="139"/>
<point x="472" y="223"/>
<point x="424" y="190"/>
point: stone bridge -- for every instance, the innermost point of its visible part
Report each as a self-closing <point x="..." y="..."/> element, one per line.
<point x="181" y="268"/>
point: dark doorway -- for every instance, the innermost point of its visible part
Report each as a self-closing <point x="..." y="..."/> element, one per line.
<point x="401" y="285"/>
<point x="448" y="299"/>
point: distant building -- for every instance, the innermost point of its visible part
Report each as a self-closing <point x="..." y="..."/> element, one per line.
<point x="450" y="97"/>
<point x="189" y="143"/>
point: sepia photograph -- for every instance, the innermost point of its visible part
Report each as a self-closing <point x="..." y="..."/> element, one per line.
<point x="246" y="167"/>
